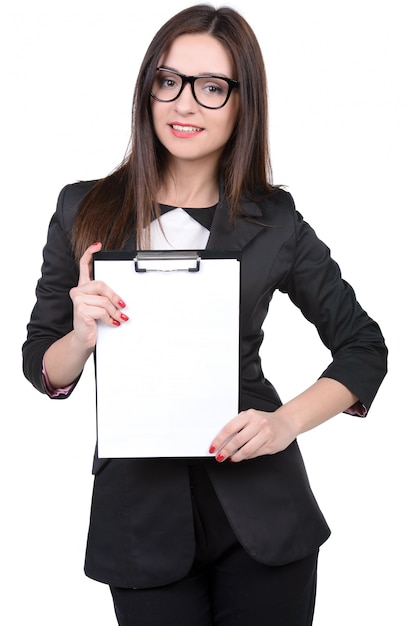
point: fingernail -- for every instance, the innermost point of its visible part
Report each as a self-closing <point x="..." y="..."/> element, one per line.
<point x="115" y="322"/>
<point x="220" y="458"/>
<point x="212" y="449"/>
<point x="121" y="304"/>
<point x="96" y="243"/>
<point x="124" y="317"/>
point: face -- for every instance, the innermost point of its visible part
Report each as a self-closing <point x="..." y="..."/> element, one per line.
<point x="188" y="130"/>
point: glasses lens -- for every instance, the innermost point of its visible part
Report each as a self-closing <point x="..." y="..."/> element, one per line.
<point x="166" y="85"/>
<point x="209" y="91"/>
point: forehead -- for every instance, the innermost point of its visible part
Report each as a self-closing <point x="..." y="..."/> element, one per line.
<point x="198" y="54"/>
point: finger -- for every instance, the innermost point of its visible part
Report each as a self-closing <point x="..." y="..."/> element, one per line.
<point x="86" y="263"/>
<point x="91" y="314"/>
<point x="86" y="284"/>
<point x="228" y="431"/>
<point x="252" y="432"/>
<point x="230" y="438"/>
<point x="253" y="448"/>
<point x="96" y="300"/>
<point x="246" y="441"/>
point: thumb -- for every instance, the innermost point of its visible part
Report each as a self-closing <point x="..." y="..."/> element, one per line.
<point x="86" y="263"/>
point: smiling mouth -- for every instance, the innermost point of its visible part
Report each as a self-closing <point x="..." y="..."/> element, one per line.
<point x="186" y="129"/>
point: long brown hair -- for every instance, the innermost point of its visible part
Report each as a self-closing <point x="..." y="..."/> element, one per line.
<point x="125" y="201"/>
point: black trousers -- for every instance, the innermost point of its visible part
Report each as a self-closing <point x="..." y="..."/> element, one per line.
<point x="225" y="587"/>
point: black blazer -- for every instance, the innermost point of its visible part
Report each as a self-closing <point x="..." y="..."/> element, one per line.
<point x="141" y="528"/>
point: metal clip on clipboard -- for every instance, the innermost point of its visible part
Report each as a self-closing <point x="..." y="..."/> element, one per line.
<point x="167" y="261"/>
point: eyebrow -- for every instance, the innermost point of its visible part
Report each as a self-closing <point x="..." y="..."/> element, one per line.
<point x="220" y="74"/>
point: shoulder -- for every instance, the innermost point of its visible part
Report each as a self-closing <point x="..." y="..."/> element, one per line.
<point x="277" y="208"/>
<point x="71" y="195"/>
<point x="69" y="200"/>
<point x="279" y="200"/>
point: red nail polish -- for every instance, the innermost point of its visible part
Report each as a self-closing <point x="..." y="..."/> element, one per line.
<point x="115" y="323"/>
<point x="121" y="304"/>
<point x="220" y="457"/>
<point x="124" y="317"/>
<point x="212" y="449"/>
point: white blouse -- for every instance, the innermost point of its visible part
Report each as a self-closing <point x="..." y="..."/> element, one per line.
<point x="178" y="230"/>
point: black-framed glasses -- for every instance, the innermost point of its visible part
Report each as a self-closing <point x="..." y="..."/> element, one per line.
<point x="211" y="92"/>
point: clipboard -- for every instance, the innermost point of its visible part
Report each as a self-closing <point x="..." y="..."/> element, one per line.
<point x="167" y="380"/>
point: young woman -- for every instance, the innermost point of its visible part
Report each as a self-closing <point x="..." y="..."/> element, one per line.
<point x="231" y="538"/>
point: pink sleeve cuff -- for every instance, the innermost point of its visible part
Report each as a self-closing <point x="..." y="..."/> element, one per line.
<point x="51" y="391"/>
<point x="358" y="409"/>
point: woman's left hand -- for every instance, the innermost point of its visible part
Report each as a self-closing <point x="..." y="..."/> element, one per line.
<point x="252" y="433"/>
<point x="255" y="433"/>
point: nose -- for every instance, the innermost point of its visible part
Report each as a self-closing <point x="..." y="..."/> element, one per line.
<point x="186" y="100"/>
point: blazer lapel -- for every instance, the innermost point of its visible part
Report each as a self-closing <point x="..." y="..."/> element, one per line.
<point x="224" y="236"/>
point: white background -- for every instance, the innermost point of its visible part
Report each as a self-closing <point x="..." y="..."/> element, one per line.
<point x="343" y="98"/>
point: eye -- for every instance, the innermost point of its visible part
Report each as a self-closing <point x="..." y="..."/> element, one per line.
<point x="212" y="87"/>
<point x="168" y="81"/>
<point x="215" y="89"/>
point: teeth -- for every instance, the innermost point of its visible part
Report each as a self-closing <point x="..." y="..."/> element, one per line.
<point x="186" y="129"/>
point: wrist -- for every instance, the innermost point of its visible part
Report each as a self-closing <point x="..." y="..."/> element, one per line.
<point x="288" y="422"/>
<point x="81" y="347"/>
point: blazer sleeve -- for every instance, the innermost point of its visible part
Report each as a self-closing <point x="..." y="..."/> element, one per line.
<point x="52" y="314"/>
<point x="316" y="286"/>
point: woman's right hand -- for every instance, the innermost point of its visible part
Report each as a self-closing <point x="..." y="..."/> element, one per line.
<point x="93" y="300"/>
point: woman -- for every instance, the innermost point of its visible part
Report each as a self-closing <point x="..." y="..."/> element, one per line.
<point x="231" y="538"/>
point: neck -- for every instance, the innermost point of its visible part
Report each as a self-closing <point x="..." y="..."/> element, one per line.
<point x="190" y="186"/>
